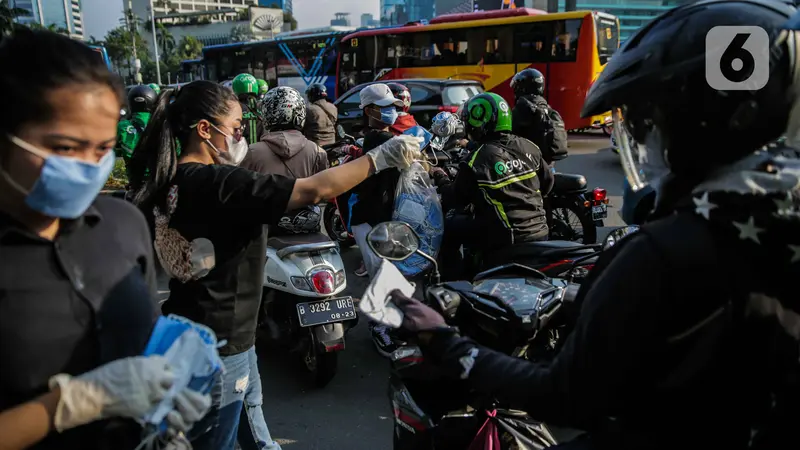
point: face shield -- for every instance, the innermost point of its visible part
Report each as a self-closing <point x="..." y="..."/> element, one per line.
<point x="641" y="150"/>
<point x="789" y="39"/>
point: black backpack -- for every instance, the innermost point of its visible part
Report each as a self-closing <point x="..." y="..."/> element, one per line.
<point x="555" y="133"/>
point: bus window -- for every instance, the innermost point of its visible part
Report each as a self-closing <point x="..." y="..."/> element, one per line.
<point x="243" y="62"/>
<point x="565" y="40"/>
<point x="531" y="42"/>
<point x="450" y="47"/>
<point x="211" y="70"/>
<point x="607" y="37"/>
<point x="491" y="45"/>
<point x="226" y="68"/>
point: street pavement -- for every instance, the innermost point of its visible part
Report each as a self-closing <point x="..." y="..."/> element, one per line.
<point x="353" y="411"/>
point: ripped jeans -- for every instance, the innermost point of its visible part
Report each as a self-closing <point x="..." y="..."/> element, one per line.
<point x="236" y="412"/>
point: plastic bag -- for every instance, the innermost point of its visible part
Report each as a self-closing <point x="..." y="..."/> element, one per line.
<point x="191" y="350"/>
<point x="417" y="204"/>
<point x="506" y="430"/>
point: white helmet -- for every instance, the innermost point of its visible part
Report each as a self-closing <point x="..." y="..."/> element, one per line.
<point x="283" y="108"/>
<point x="445" y="124"/>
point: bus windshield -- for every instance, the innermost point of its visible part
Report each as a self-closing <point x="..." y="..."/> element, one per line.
<point x="607" y="36"/>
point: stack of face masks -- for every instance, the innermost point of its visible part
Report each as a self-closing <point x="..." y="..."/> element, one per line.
<point x="191" y="350"/>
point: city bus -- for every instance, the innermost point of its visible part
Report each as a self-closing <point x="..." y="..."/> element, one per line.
<point x="295" y="59"/>
<point x="191" y="70"/>
<point x="569" y="48"/>
<point x="102" y="53"/>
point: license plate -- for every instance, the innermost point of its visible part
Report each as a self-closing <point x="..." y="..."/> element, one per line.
<point x="326" y="311"/>
<point x="599" y="212"/>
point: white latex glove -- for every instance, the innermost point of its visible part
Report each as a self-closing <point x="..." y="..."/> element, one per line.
<point x="190" y="406"/>
<point x="128" y="387"/>
<point x="399" y="152"/>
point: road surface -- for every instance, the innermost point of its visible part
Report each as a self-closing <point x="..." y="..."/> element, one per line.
<point x="353" y="412"/>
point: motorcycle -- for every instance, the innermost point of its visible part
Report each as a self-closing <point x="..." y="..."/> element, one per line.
<point x="570" y="196"/>
<point x="302" y="310"/>
<point x="513" y="309"/>
<point x="335" y="212"/>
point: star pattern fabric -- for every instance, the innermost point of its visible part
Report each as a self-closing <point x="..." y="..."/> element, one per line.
<point x="758" y="207"/>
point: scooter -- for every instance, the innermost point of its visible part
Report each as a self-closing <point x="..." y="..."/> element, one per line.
<point x="334" y="214"/>
<point x="303" y="277"/>
<point x="513" y="309"/>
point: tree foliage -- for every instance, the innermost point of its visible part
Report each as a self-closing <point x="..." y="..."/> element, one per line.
<point x="7" y="16"/>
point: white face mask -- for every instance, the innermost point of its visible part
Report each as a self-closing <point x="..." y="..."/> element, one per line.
<point x="237" y="150"/>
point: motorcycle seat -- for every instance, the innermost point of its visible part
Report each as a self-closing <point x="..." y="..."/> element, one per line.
<point x="297" y="243"/>
<point x="567" y="182"/>
<point x="529" y="252"/>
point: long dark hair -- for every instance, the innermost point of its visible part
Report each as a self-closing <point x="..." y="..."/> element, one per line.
<point x="155" y="159"/>
<point x="58" y="61"/>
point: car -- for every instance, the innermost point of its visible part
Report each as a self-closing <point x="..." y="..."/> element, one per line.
<point x="428" y="98"/>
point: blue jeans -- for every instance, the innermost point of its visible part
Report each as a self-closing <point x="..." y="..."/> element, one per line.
<point x="235" y="400"/>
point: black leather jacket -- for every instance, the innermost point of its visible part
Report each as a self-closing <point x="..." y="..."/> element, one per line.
<point x="663" y="355"/>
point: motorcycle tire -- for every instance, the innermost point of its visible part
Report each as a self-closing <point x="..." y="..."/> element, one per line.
<point x="329" y="217"/>
<point x="583" y="214"/>
<point x="321" y="365"/>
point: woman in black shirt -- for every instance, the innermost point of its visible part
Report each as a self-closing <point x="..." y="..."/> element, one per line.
<point x="209" y="214"/>
<point x="76" y="272"/>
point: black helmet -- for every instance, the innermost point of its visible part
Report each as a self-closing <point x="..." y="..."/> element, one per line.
<point x="142" y="98"/>
<point x="657" y="87"/>
<point x="316" y="92"/>
<point x="527" y="82"/>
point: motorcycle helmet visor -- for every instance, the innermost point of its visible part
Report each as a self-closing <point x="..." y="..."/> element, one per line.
<point x="643" y="163"/>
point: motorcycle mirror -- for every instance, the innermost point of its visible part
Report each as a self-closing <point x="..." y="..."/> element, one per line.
<point x="618" y="234"/>
<point x="395" y="241"/>
<point x="340" y="131"/>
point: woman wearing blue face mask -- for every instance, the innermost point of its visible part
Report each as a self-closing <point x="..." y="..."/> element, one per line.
<point x="76" y="273"/>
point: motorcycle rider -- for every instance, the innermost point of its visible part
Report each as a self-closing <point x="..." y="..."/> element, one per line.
<point x="284" y="150"/>
<point x="375" y="197"/>
<point x="245" y="86"/>
<point x="535" y="119"/>
<point x="141" y="100"/>
<point x="263" y="88"/>
<point x="504" y="178"/>
<point x="404" y="119"/>
<point x="654" y="341"/>
<point x="321" y="116"/>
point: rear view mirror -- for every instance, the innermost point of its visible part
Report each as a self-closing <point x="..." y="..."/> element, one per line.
<point x="618" y="234"/>
<point x="340" y="132"/>
<point x="394" y="241"/>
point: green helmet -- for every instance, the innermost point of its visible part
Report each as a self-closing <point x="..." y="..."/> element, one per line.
<point x="263" y="86"/>
<point x="485" y="114"/>
<point x="244" y="83"/>
<point x="155" y="87"/>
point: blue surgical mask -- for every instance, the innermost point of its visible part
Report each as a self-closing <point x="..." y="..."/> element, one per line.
<point x="388" y="115"/>
<point x="66" y="186"/>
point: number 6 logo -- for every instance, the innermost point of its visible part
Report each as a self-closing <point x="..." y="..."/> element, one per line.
<point x="737" y="58"/>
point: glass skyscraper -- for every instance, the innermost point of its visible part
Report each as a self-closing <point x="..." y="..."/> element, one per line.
<point x="632" y="14"/>
<point x="63" y="14"/>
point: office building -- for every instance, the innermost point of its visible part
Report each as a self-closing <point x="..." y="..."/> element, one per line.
<point x="63" y="14"/>
<point x="285" y="5"/>
<point x="368" y="20"/>
<point x="340" y="20"/>
<point x="632" y="14"/>
<point x="420" y="10"/>
<point x="394" y="12"/>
